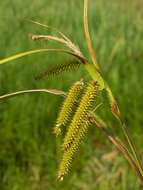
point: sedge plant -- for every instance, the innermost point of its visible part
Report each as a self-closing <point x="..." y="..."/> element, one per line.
<point x="77" y="115"/>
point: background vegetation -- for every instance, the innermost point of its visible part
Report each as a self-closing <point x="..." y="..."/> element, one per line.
<point x="29" y="153"/>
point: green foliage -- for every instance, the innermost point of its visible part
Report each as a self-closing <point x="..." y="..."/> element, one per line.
<point x="25" y="141"/>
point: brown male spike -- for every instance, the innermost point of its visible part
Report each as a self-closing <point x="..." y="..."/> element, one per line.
<point x="72" y="65"/>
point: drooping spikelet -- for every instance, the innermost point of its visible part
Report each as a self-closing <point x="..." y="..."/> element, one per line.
<point x="80" y="117"/>
<point x="68" y="105"/>
<point x="77" y="129"/>
<point x="72" y="65"/>
<point x="68" y="155"/>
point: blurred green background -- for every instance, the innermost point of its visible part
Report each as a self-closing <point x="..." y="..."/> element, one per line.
<point x="29" y="152"/>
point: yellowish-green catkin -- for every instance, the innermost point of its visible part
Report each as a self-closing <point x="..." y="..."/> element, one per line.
<point x="68" y="105"/>
<point x="80" y="117"/>
<point x="77" y="129"/>
<point x="68" y="155"/>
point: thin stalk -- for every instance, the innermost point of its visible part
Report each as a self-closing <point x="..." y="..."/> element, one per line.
<point x="50" y="91"/>
<point x="117" y="114"/>
<point x="119" y="145"/>
<point x="30" y="52"/>
<point x="95" y="74"/>
<point x="87" y="36"/>
<point x="132" y="147"/>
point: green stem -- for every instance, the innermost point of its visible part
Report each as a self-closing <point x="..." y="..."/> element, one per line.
<point x="132" y="147"/>
<point x="102" y="84"/>
<point x="119" y="144"/>
<point x="50" y="91"/>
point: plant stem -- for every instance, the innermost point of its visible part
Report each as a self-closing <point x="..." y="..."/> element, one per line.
<point x="132" y="147"/>
<point x="94" y="72"/>
<point x="119" y="145"/>
<point x="50" y="91"/>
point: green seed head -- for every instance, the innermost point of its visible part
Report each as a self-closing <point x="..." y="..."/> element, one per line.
<point x="80" y="117"/>
<point x="68" y="106"/>
<point x="77" y="129"/>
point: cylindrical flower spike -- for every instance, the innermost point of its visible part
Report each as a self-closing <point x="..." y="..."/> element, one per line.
<point x="68" y="155"/>
<point x="77" y="129"/>
<point x="72" y="65"/>
<point x="68" y="105"/>
<point x="81" y="114"/>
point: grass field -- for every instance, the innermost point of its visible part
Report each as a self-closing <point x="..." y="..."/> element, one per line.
<point x="29" y="153"/>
